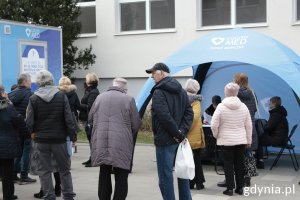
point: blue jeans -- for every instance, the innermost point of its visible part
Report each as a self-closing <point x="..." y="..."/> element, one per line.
<point x="165" y="157"/>
<point x="22" y="163"/>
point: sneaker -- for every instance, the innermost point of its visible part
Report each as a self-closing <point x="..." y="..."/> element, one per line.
<point x="27" y="180"/>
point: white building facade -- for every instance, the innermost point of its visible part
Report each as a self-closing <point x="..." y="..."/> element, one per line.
<point x="129" y="36"/>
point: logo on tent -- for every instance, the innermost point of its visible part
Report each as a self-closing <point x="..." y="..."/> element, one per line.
<point x="217" y="40"/>
<point x="234" y="42"/>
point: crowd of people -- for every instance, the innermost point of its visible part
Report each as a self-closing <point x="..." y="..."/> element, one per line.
<point x="30" y="144"/>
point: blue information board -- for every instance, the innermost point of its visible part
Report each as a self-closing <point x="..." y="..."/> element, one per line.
<point x="26" y="48"/>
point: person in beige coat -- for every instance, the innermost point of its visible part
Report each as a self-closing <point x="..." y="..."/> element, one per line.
<point x="115" y="122"/>
<point x="232" y="127"/>
<point x="196" y="134"/>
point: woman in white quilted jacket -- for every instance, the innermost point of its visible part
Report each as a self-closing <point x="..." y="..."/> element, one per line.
<point x="232" y="127"/>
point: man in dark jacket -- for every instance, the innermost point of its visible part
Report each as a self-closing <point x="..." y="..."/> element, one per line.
<point x="20" y="98"/>
<point x="50" y="121"/>
<point x="276" y="129"/>
<point x="172" y="117"/>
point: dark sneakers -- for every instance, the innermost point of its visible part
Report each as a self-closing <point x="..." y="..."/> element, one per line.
<point x="40" y="195"/>
<point x="27" y="180"/>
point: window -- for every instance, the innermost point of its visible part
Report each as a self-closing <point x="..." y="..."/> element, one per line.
<point x="250" y="11"/>
<point x="133" y="16"/>
<point x="162" y="14"/>
<point x="87" y="17"/>
<point x="215" y="12"/>
<point x="231" y="12"/>
<point x="298" y="10"/>
<point x="145" y="15"/>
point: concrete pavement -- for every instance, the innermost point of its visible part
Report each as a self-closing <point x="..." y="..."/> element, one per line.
<point x="280" y="183"/>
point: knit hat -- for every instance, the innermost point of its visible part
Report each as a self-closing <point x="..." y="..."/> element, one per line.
<point x="192" y="86"/>
<point x="231" y="89"/>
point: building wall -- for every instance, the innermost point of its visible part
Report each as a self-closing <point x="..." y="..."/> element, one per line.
<point x="128" y="55"/>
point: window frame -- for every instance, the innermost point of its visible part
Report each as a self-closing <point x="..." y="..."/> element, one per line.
<point x="233" y="23"/>
<point x="148" y="29"/>
<point x="88" y="4"/>
<point x="295" y="20"/>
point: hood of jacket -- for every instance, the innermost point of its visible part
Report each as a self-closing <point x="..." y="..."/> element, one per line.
<point x="232" y="103"/>
<point x="194" y="97"/>
<point x="168" y="84"/>
<point x="280" y="110"/>
<point x="47" y="93"/>
<point x="18" y="94"/>
<point x="67" y="88"/>
<point x="4" y="103"/>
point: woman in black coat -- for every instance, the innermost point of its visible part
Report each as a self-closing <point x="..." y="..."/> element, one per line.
<point x="10" y="147"/>
<point x="90" y="94"/>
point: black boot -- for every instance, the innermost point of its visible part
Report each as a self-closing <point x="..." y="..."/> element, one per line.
<point x="247" y="181"/>
<point x="39" y="195"/>
<point x="228" y="192"/>
<point x="239" y="191"/>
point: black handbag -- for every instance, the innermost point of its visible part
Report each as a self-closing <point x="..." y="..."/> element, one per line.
<point x="250" y="164"/>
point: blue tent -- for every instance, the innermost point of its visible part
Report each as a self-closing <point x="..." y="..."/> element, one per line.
<point x="273" y="69"/>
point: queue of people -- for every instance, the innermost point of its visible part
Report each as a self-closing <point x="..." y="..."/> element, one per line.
<point x="111" y="121"/>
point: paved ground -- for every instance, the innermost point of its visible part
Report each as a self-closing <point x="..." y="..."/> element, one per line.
<point x="143" y="182"/>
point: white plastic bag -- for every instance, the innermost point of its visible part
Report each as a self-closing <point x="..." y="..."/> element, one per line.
<point x="184" y="163"/>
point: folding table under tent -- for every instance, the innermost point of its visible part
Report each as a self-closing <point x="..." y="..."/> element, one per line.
<point x="272" y="67"/>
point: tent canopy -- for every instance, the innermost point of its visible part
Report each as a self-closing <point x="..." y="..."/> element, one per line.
<point x="272" y="67"/>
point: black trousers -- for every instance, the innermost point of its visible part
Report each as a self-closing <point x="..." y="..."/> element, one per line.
<point x="234" y="165"/>
<point x="267" y="140"/>
<point x="7" y="169"/>
<point x="105" y="187"/>
<point x="199" y="176"/>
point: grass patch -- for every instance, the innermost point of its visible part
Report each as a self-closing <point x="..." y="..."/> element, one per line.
<point x="81" y="136"/>
<point x="145" y="137"/>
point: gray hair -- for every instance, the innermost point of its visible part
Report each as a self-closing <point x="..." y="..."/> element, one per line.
<point x="121" y="83"/>
<point x="192" y="86"/>
<point x="23" y="78"/>
<point x="44" y="78"/>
